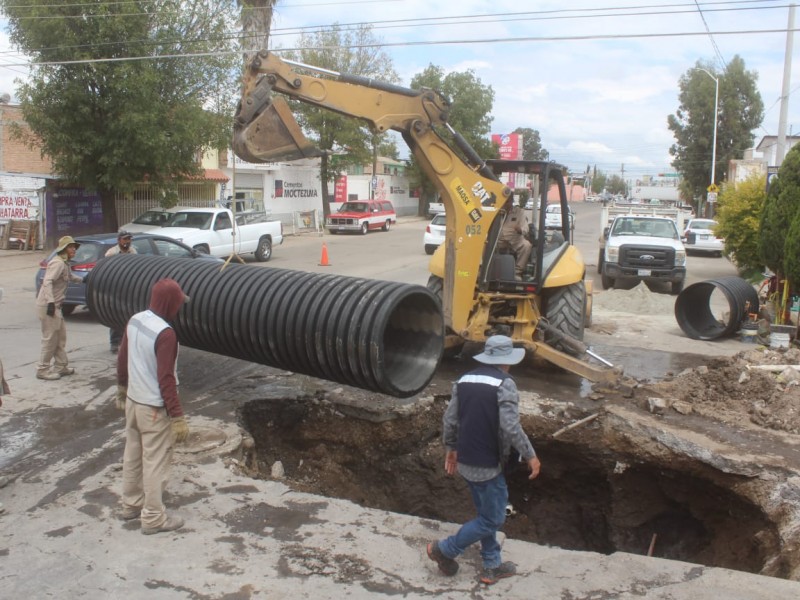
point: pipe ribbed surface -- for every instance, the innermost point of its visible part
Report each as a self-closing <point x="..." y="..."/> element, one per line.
<point x="377" y="335"/>
<point x="693" y="310"/>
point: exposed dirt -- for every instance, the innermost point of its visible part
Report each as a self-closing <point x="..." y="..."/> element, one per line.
<point x="604" y="487"/>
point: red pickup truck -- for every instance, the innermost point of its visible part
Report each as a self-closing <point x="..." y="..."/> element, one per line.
<point x="362" y="216"/>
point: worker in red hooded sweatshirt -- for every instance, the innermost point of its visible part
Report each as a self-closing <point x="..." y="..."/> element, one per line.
<point x="147" y="390"/>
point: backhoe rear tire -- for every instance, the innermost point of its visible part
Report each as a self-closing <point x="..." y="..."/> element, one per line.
<point x="565" y="309"/>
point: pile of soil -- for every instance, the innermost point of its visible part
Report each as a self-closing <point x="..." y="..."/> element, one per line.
<point x="730" y="389"/>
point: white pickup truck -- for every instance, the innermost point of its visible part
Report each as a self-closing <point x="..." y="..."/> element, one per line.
<point x="211" y="230"/>
<point x="644" y="248"/>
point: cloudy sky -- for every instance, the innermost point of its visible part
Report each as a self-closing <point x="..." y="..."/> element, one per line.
<point x="596" y="78"/>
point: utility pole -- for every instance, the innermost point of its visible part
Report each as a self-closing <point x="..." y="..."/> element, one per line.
<point x="622" y="176"/>
<point x="780" y="151"/>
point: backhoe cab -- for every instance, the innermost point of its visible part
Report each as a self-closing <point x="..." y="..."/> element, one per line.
<point x="546" y="311"/>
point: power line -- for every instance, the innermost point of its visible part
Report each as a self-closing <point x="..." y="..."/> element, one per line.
<point x="456" y="42"/>
<point x="710" y="36"/>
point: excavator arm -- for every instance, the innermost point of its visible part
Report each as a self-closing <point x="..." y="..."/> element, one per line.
<point x="474" y="301"/>
<point x="265" y="130"/>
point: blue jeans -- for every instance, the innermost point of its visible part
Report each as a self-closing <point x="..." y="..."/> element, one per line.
<point x="490" y="499"/>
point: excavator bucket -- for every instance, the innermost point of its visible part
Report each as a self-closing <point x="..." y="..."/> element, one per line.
<point x="270" y="134"/>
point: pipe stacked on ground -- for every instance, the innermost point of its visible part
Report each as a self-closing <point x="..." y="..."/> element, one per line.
<point x="377" y="335"/>
<point x="694" y="314"/>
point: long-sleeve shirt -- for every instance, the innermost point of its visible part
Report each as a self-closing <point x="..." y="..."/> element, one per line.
<point x="56" y="279"/>
<point x="510" y="432"/>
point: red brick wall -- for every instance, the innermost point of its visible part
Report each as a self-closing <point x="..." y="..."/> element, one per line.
<point x="15" y="155"/>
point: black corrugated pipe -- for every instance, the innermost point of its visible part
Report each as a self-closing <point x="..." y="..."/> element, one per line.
<point x="377" y="335"/>
<point x="693" y="312"/>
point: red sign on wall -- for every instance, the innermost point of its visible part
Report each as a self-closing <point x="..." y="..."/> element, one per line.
<point x="509" y="145"/>
<point x="340" y="189"/>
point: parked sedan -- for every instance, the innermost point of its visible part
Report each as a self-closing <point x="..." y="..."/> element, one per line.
<point x="699" y="236"/>
<point x="434" y="234"/>
<point x="93" y="248"/>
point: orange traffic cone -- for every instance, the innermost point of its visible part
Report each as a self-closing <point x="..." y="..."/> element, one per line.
<point x="323" y="262"/>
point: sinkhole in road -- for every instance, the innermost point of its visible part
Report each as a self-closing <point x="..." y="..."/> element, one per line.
<point x="585" y="498"/>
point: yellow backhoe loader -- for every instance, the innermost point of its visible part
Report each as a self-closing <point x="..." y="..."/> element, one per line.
<point x="546" y="310"/>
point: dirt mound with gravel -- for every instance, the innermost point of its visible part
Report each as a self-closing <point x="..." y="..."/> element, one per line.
<point x="736" y="388"/>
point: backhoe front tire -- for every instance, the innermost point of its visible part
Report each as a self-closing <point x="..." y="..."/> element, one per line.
<point x="565" y="309"/>
<point x="436" y="286"/>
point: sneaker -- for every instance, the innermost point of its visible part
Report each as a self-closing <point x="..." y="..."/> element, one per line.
<point x="503" y="570"/>
<point x="47" y="375"/>
<point x="448" y="566"/>
<point x="66" y="371"/>
<point x="171" y="524"/>
<point x="129" y="513"/>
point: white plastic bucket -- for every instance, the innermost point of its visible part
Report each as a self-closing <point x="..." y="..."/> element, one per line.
<point x="778" y="340"/>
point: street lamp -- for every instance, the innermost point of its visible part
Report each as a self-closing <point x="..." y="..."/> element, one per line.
<point x="716" y="110"/>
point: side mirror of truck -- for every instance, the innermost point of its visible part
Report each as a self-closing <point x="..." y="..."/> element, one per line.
<point x="605" y="232"/>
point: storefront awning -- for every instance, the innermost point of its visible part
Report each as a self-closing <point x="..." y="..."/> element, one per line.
<point x="211" y="175"/>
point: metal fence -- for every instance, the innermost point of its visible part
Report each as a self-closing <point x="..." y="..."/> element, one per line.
<point x="144" y="197"/>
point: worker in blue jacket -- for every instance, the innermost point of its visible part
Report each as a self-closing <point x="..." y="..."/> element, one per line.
<point x="481" y="425"/>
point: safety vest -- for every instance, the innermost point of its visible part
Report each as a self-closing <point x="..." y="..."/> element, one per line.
<point x="142" y="331"/>
<point x="479" y="417"/>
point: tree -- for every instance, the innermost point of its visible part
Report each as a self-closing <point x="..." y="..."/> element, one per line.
<point x="779" y="234"/>
<point x="740" y="111"/>
<point x="738" y="216"/>
<point x="107" y="126"/>
<point x="531" y="144"/>
<point x="615" y="184"/>
<point x="256" y="17"/>
<point x="471" y="104"/>
<point x="351" y="51"/>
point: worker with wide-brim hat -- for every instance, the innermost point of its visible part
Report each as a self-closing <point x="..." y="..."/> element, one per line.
<point x="124" y="245"/>
<point x="53" y="361"/>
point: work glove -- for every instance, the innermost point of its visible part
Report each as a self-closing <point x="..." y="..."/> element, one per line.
<point x="180" y="429"/>
<point x="51" y="309"/>
<point x="122" y="395"/>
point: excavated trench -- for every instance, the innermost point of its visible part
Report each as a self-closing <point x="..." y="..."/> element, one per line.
<point x="586" y="498"/>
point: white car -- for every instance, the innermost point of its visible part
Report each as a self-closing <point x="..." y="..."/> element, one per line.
<point x="699" y="236"/>
<point x="434" y="233"/>
<point x="552" y="217"/>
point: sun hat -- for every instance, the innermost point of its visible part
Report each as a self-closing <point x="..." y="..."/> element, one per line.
<point x="65" y="241"/>
<point x="499" y="350"/>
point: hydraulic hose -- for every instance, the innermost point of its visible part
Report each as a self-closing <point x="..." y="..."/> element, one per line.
<point x="376" y="335"/>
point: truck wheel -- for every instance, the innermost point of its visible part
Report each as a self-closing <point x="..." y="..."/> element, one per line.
<point x="387" y="225"/>
<point x="600" y="258"/>
<point x="364" y="228"/>
<point x="202" y="248"/>
<point x="606" y="281"/>
<point x="332" y="231"/>
<point x="67" y="309"/>
<point x="264" y="249"/>
<point x="677" y="287"/>
<point x="430" y="249"/>
<point x="565" y="309"/>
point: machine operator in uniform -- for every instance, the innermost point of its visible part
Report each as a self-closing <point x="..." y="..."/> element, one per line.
<point x="512" y="235"/>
